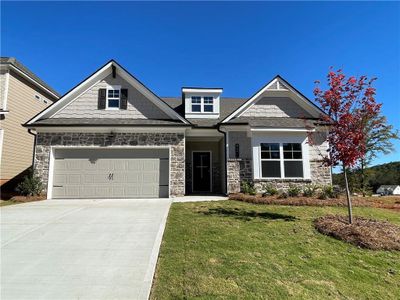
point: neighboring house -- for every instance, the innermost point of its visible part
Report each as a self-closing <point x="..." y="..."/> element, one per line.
<point x="111" y="137"/>
<point x="22" y="96"/>
<point x="389" y="190"/>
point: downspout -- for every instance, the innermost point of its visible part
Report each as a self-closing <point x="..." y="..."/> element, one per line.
<point x="226" y="159"/>
<point x="34" y="146"/>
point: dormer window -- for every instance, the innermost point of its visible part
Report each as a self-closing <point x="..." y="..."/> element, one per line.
<point x="201" y="102"/>
<point x="113" y="97"/>
<point x="196" y="104"/>
<point x="208" y="104"/>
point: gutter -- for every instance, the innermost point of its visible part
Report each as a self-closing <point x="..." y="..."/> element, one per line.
<point x="226" y="158"/>
<point x="34" y="145"/>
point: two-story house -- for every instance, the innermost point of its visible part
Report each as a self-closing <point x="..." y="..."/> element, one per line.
<point x="22" y="96"/>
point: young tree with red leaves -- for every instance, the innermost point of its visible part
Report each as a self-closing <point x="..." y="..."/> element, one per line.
<point x="348" y="103"/>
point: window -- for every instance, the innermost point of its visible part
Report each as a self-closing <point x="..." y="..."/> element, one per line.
<point x="281" y="160"/>
<point x="196" y="104"/>
<point x="208" y="104"/>
<point x="292" y="159"/>
<point x="270" y="160"/>
<point x="113" y="98"/>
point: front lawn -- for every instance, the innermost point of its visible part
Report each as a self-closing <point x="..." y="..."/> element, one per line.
<point x="232" y="249"/>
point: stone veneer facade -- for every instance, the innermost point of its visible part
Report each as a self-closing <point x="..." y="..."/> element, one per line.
<point x="241" y="169"/>
<point x="45" y="141"/>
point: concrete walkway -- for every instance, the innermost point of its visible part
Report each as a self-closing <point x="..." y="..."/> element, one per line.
<point x="80" y="249"/>
<point x="196" y="198"/>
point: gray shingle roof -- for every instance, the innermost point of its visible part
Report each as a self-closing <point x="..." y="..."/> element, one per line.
<point x="106" y="122"/>
<point x="13" y="61"/>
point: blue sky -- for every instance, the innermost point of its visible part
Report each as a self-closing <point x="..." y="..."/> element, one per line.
<point x="238" y="46"/>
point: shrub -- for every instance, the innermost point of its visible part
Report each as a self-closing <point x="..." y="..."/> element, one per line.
<point x="309" y="190"/>
<point x="248" y="188"/>
<point x="328" y="191"/>
<point x="270" y="190"/>
<point x="31" y="185"/>
<point x="293" y="191"/>
<point x="283" y="195"/>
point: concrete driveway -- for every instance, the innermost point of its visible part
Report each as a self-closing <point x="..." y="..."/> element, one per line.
<point x="80" y="249"/>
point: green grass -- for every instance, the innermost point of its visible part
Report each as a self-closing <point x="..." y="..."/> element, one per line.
<point x="231" y="250"/>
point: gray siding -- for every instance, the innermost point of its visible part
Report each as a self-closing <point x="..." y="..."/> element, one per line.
<point x="241" y="138"/>
<point x="276" y="107"/>
<point x="85" y="106"/>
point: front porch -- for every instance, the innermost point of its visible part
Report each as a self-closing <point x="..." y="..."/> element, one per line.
<point x="205" y="165"/>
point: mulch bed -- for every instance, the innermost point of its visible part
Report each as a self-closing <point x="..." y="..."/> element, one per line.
<point x="307" y="201"/>
<point x="364" y="233"/>
<point x="27" y="198"/>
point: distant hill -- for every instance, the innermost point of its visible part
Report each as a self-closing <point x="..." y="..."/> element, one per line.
<point x="375" y="176"/>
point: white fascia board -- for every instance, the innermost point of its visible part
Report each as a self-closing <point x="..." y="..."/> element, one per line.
<point x="304" y="103"/>
<point x="297" y="97"/>
<point x="108" y="129"/>
<point x="282" y="130"/>
<point x="73" y="94"/>
<point x="15" y="69"/>
<point x="200" y="90"/>
<point x="150" y="95"/>
<point x="249" y="102"/>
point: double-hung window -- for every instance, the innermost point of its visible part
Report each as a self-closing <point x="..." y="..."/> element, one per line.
<point x="281" y="160"/>
<point x="270" y="160"/>
<point x="292" y="160"/>
<point x="196" y="104"/>
<point x="113" y="97"/>
<point x="208" y="104"/>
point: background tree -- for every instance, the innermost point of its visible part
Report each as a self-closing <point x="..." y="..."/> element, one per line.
<point x="378" y="139"/>
<point x="348" y="104"/>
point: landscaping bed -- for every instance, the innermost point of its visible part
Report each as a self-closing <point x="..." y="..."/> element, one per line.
<point x="363" y="232"/>
<point x="21" y="199"/>
<point x="385" y="202"/>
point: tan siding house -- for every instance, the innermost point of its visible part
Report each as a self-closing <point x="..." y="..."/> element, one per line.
<point x="23" y="95"/>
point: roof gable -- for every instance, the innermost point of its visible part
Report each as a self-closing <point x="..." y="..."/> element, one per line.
<point x="97" y="77"/>
<point x="277" y="87"/>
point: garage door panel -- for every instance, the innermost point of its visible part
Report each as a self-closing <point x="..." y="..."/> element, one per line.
<point x="74" y="179"/>
<point x="99" y="173"/>
<point x="60" y="179"/>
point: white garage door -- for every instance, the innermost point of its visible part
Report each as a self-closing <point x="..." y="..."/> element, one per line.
<point x="110" y="173"/>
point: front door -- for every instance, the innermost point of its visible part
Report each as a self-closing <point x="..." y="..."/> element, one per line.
<point x="201" y="171"/>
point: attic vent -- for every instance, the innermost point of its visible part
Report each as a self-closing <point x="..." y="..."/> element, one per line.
<point x="277" y="85"/>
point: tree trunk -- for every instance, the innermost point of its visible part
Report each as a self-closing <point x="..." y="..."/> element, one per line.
<point x="362" y="178"/>
<point x="348" y="196"/>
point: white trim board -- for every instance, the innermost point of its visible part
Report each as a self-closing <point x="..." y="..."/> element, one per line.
<point x="294" y="95"/>
<point x="6" y="87"/>
<point x="23" y="74"/>
<point x="96" y="77"/>
<point x="298" y="137"/>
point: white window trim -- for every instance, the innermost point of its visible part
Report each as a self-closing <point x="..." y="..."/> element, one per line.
<point x="282" y="160"/>
<point x="202" y="105"/>
<point x="113" y="87"/>
<point x="278" y="139"/>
